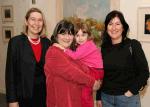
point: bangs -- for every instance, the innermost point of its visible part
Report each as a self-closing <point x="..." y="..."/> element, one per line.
<point x="66" y="31"/>
<point x="65" y="27"/>
<point x="84" y="31"/>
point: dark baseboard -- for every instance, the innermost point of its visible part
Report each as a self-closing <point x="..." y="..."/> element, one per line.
<point x="2" y="100"/>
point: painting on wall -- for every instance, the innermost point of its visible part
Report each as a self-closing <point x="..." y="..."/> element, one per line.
<point x="7" y="32"/>
<point x="97" y="9"/>
<point x="144" y="24"/>
<point x="147" y="24"/>
<point x="7" y="13"/>
<point x="33" y="1"/>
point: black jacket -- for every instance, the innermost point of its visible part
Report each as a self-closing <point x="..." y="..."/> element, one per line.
<point x="125" y="68"/>
<point x="21" y="67"/>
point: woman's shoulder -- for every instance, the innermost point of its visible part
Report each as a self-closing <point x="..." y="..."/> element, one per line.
<point x="133" y="43"/>
<point x="132" y="40"/>
<point x="46" y="40"/>
<point x="18" y="38"/>
<point x="54" y="49"/>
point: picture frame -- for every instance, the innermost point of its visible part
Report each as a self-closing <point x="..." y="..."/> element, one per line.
<point x="113" y="5"/>
<point x="143" y="28"/>
<point x="7" y="13"/>
<point x="33" y="1"/>
<point x="7" y="32"/>
<point x="84" y="9"/>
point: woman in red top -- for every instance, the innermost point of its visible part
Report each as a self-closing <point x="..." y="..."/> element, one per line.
<point x="25" y="79"/>
<point x="65" y="77"/>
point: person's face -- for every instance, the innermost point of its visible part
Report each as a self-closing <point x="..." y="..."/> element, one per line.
<point x="65" y="40"/>
<point x="81" y="37"/>
<point x="34" y="23"/>
<point x="115" y="29"/>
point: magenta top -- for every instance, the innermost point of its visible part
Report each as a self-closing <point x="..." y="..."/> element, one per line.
<point x="88" y="54"/>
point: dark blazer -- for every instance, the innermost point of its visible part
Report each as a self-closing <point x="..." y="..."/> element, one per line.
<point x="20" y="67"/>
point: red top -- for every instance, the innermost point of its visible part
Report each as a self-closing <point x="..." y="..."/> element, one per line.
<point x="64" y="79"/>
<point x="36" y="50"/>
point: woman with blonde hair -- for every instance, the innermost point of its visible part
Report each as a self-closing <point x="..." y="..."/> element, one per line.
<point x="25" y="79"/>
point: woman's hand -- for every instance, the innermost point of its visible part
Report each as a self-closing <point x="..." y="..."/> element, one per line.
<point x="99" y="103"/>
<point x="96" y="85"/>
<point x="59" y="46"/>
<point x="128" y="93"/>
<point x="15" y="104"/>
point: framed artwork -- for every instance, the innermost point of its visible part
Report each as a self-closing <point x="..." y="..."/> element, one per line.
<point x="33" y="1"/>
<point x="144" y="24"/>
<point x="96" y="9"/>
<point x="7" y="13"/>
<point x="7" y="32"/>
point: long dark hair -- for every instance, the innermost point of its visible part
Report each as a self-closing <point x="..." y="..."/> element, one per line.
<point x="106" y="40"/>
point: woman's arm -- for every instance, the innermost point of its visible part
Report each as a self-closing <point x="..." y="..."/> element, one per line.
<point x="11" y="72"/>
<point x="15" y="104"/>
<point x="141" y="67"/>
<point x="82" y="50"/>
<point x="99" y="103"/>
<point x="59" y="64"/>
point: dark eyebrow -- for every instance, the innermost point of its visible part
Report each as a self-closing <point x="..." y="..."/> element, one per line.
<point x="84" y="32"/>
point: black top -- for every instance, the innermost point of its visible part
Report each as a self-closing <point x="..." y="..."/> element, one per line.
<point x="125" y="68"/>
<point x="21" y="67"/>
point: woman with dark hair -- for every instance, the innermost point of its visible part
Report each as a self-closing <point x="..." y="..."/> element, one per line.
<point x="125" y="65"/>
<point x="25" y="79"/>
<point x="65" y="77"/>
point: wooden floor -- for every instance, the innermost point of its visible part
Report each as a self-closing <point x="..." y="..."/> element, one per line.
<point x="2" y="100"/>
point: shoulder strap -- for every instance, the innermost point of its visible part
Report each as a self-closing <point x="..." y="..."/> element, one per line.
<point x="130" y="47"/>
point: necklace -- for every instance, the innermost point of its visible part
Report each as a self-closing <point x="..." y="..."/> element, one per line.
<point x="34" y="42"/>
